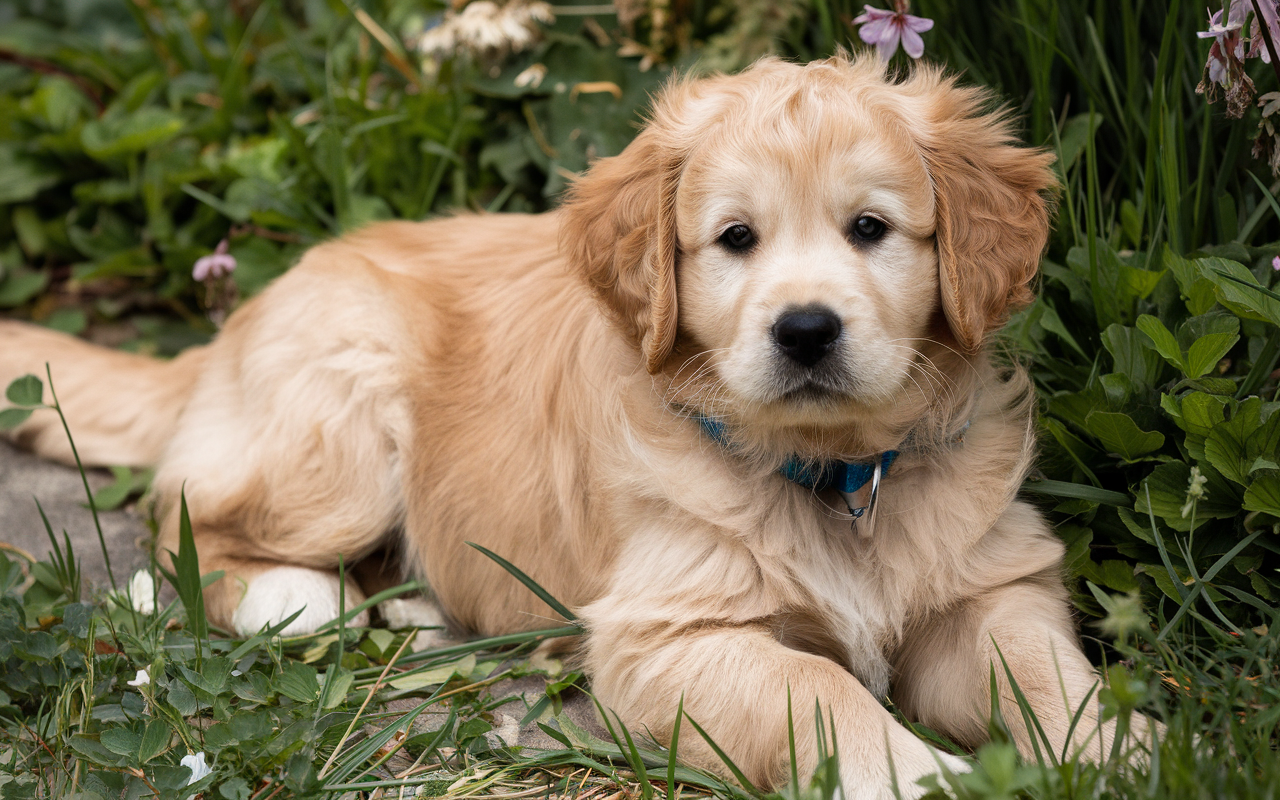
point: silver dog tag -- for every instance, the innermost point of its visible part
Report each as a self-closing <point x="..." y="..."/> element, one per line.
<point x="870" y="516"/>
<point x="864" y="517"/>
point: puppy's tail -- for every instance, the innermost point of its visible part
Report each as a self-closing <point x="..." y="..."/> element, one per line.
<point x="122" y="408"/>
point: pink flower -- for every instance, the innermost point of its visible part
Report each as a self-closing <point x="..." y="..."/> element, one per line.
<point x="1227" y="42"/>
<point x="1269" y="18"/>
<point x="1275" y="263"/>
<point x="217" y="265"/>
<point x="884" y="29"/>
<point x="1225" y="67"/>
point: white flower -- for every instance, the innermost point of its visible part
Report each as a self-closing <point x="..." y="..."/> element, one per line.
<point x="531" y="76"/>
<point x="142" y="592"/>
<point x="196" y="764"/>
<point x="484" y="27"/>
<point x="235" y="673"/>
<point x="1195" y="491"/>
<point x="143" y="679"/>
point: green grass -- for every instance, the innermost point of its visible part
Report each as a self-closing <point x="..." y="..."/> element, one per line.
<point x="134" y="136"/>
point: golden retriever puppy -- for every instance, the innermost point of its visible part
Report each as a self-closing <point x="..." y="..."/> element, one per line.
<point x="671" y="403"/>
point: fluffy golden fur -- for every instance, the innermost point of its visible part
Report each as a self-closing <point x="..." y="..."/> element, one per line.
<point x="530" y="383"/>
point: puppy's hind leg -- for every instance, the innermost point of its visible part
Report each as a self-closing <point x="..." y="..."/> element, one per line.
<point x="289" y="451"/>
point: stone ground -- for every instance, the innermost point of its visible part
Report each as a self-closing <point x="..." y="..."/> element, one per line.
<point x="25" y="479"/>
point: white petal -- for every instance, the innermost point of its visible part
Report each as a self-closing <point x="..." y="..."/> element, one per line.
<point x="195" y="763"/>
<point x="142" y="592"/>
<point x="142" y="679"/>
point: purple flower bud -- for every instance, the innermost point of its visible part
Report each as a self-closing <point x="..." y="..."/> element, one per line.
<point x="217" y="265"/>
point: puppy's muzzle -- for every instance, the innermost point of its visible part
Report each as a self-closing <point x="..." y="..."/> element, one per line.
<point x="807" y="334"/>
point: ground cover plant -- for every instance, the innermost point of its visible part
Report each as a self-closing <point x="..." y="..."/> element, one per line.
<point x="161" y="161"/>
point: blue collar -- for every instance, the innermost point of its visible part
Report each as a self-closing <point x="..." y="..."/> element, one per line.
<point x="842" y="476"/>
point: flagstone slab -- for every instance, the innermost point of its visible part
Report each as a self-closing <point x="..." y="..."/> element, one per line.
<point x="24" y="479"/>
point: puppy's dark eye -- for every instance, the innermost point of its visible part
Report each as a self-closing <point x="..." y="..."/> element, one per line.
<point x="867" y="229"/>
<point x="738" y="237"/>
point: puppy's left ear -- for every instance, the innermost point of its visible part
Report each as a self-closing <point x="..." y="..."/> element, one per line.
<point x="992" y="204"/>
<point x="619" y="229"/>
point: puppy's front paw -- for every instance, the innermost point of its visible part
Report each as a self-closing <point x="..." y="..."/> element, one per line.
<point x="277" y="593"/>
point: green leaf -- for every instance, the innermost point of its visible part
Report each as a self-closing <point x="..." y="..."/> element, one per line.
<point x="212" y="675"/>
<point x="1133" y="355"/>
<point x="298" y="682"/>
<point x="436" y="675"/>
<point x="37" y="646"/>
<point x="1201" y="412"/>
<point x="26" y="391"/>
<point x="20" y="285"/>
<point x="121" y="741"/>
<point x="116" y="136"/>
<point x="1162" y="339"/>
<point x="1050" y="321"/>
<point x="1074" y="447"/>
<point x="11" y="418"/>
<point x="93" y="750"/>
<point x="1136" y="284"/>
<point x="379" y="641"/>
<point x="1120" y="434"/>
<point x="1264" y="494"/>
<point x="1131" y="221"/>
<point x="1239" y="290"/>
<point x="30" y="232"/>
<point x="1225" y="448"/>
<point x="67" y="320"/>
<point x="1167" y="486"/>
<point x="1166" y="584"/>
<point x="1206" y="352"/>
<point x="22" y="177"/>
<point x="1198" y="292"/>
<point x="183" y="699"/>
<point x="1116" y="575"/>
<point x="154" y="740"/>
<point x="75" y="617"/>
<point x="1076" y="133"/>
<point x="113" y="495"/>
<point x="337" y="683"/>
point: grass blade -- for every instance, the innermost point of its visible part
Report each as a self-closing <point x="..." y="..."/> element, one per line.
<point x="529" y="583"/>
<point x="1079" y="491"/>
<point x="186" y="574"/>
<point x="724" y="757"/>
<point x="93" y="506"/>
<point x="1029" y="717"/>
<point x="675" y="746"/>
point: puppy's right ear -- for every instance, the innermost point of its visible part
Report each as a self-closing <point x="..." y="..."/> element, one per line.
<point x="620" y="229"/>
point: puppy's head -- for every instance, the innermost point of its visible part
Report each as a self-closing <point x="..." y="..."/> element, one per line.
<point x="805" y="236"/>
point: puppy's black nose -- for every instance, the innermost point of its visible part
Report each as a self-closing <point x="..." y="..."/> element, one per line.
<point x="806" y="334"/>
